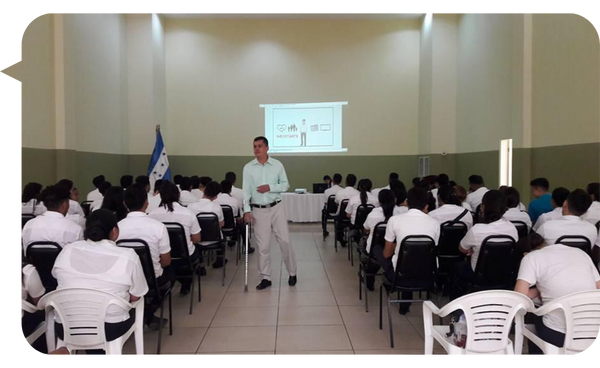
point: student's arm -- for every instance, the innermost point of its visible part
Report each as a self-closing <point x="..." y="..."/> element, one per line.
<point x="133" y="298"/>
<point x="598" y="284"/>
<point x="389" y="249"/>
<point x="283" y="184"/>
<point x="468" y="242"/>
<point x="196" y="238"/>
<point x="165" y="259"/>
<point x="221" y="224"/>
<point x="525" y="288"/>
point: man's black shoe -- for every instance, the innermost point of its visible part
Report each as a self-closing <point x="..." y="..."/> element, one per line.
<point x="292" y="280"/>
<point x="250" y="250"/>
<point x="263" y="284"/>
<point x="219" y="263"/>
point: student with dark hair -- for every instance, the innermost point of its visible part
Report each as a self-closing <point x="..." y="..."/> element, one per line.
<point x="345" y="193"/>
<point x="126" y="181"/>
<point x="477" y="190"/>
<point x="138" y="225"/>
<point x="391" y="176"/>
<point x="331" y="191"/>
<point x="559" y="196"/>
<point x="204" y="180"/>
<point x="95" y="194"/>
<point x="97" y="263"/>
<point x="461" y="196"/>
<point x="170" y="210"/>
<point x="104" y="187"/>
<point x="144" y="180"/>
<point x="114" y="202"/>
<point x="30" y="199"/>
<point x="327" y="180"/>
<point x="154" y="197"/>
<point x="236" y="193"/>
<point x="415" y="181"/>
<point x="414" y="222"/>
<point x="593" y="213"/>
<point x="364" y="197"/>
<point x="186" y="197"/>
<point x="195" y="180"/>
<point x="225" y="198"/>
<point x="571" y="223"/>
<point x="493" y="207"/>
<point x="177" y="180"/>
<point x="74" y="207"/>
<point x="52" y="225"/>
<point x="554" y="271"/>
<point x="450" y="208"/>
<point x="439" y="181"/>
<point x="513" y="213"/>
<point x="542" y="202"/>
<point x="397" y="187"/>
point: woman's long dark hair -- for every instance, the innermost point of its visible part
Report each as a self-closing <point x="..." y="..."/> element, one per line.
<point x="99" y="224"/>
<point x="114" y="201"/>
<point x="397" y="187"/>
<point x="168" y="194"/>
<point x="364" y="185"/>
<point x="387" y="200"/>
<point x="494" y="206"/>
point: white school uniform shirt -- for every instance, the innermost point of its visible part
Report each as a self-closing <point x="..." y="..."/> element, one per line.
<point x="206" y="205"/>
<point x="96" y="204"/>
<point x="51" y="226"/>
<point x="101" y="266"/>
<point x="33" y="207"/>
<point x="354" y="202"/>
<point x="138" y="225"/>
<point x="32" y="284"/>
<point x="558" y="270"/>
<point x="376" y="216"/>
<point x="376" y="191"/>
<point x="238" y="194"/>
<point x="475" y="237"/>
<point x="413" y="222"/>
<point x="186" y="198"/>
<point x="434" y="193"/>
<point x="449" y="212"/>
<point x="345" y="193"/>
<point x="153" y="202"/>
<point x="226" y="199"/>
<point x="566" y="225"/>
<point x="75" y="208"/>
<point x="593" y="213"/>
<point x="474" y="198"/>
<point x="521" y="207"/>
<point x="180" y="215"/>
<point x="77" y="219"/>
<point x="555" y="214"/>
<point x="466" y="206"/>
<point x="514" y="214"/>
<point x="94" y="195"/>
<point x="331" y="191"/>
<point x="197" y="193"/>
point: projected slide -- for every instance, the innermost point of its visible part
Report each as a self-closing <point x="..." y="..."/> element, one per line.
<point x="304" y="127"/>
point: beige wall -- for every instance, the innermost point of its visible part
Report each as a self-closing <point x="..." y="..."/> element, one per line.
<point x="425" y="85"/>
<point x="219" y="71"/>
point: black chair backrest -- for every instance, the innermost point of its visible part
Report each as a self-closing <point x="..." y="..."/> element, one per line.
<point x="209" y="224"/>
<point x="451" y="233"/>
<point x="228" y="216"/>
<point x="598" y="226"/>
<point x="576" y="241"/>
<point x="26" y="217"/>
<point x="378" y="239"/>
<point x="521" y="228"/>
<point x="85" y="205"/>
<point x="362" y="211"/>
<point x="42" y="254"/>
<point x="331" y="205"/>
<point x="143" y="251"/>
<point x="416" y="264"/>
<point x="343" y="206"/>
<point x="178" y="241"/>
<point x="496" y="263"/>
<point x="476" y="215"/>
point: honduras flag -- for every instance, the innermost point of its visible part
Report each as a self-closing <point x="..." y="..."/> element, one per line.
<point x="159" y="163"/>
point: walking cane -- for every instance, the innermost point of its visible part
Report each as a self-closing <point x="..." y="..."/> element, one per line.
<point x="246" y="274"/>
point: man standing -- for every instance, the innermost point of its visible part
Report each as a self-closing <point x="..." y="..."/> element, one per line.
<point x="303" y="133"/>
<point x="264" y="181"/>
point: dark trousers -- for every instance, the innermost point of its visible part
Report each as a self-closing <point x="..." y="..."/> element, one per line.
<point x="461" y="275"/>
<point x="187" y="281"/>
<point x="388" y="268"/>
<point x="166" y="279"/>
<point x="545" y="333"/>
<point x="339" y="228"/>
<point x="28" y="323"/>
<point x="324" y="219"/>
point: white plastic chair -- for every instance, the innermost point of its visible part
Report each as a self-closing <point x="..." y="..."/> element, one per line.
<point x="82" y="313"/>
<point x="489" y="315"/>
<point x="582" y="313"/>
<point x="40" y="329"/>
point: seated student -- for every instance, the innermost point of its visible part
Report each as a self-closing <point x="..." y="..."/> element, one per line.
<point x="559" y="196"/>
<point x="204" y="180"/>
<point x="392" y="176"/>
<point x="154" y="197"/>
<point x="397" y="187"/>
<point x="337" y="179"/>
<point x="97" y="263"/>
<point x="95" y="194"/>
<point x="477" y="190"/>
<point x="171" y="211"/>
<point x="32" y="290"/>
<point x="177" y="181"/>
<point x="364" y="197"/>
<point x="138" y="225"/>
<point x="593" y="213"/>
<point x="225" y="198"/>
<point x="493" y="207"/>
<point x="186" y="198"/>
<point x="346" y="193"/>
<point x="327" y="180"/>
<point x="30" y="200"/>
<point x="126" y="181"/>
<point x="450" y="208"/>
<point x="542" y="202"/>
<point x="461" y="196"/>
<point x="521" y="206"/>
<point x="554" y="271"/>
<point x="98" y="202"/>
<point x="196" y="187"/>
<point x="114" y="201"/>
<point x="512" y="202"/>
<point x="414" y="222"/>
<point x="439" y="181"/>
<point x="74" y="206"/>
<point x="145" y="181"/>
<point x="236" y="193"/>
<point x="416" y="181"/>
<point x="577" y="204"/>
<point x="52" y="225"/>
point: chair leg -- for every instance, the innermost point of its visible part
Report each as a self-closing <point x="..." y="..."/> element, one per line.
<point x="360" y="282"/>
<point x="351" y="252"/>
<point x="380" y="307"/>
<point x="335" y="237"/>
<point x="366" y="292"/>
<point x="170" y="315"/>
<point x="160" y="327"/>
<point x="192" y="295"/>
<point x="224" y="267"/>
<point x="199" y="286"/>
<point x="390" y="323"/>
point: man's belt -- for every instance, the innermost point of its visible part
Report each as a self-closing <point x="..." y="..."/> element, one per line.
<point x="265" y="205"/>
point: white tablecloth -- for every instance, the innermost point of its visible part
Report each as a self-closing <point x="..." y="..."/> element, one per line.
<point x="303" y="207"/>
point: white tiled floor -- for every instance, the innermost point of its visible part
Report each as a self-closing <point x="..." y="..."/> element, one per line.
<point x="320" y="315"/>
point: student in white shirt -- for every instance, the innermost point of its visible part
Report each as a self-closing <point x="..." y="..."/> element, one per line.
<point x="138" y="225"/>
<point x="554" y="271"/>
<point x="414" y="222"/>
<point x="577" y="204"/>
<point x="144" y="180"/>
<point x="30" y="200"/>
<point x="154" y="197"/>
<point x="95" y="194"/>
<point x="52" y="225"/>
<point x="196" y="187"/>
<point x="593" y="213"/>
<point x="171" y="211"/>
<point x="461" y="195"/>
<point x="392" y="176"/>
<point x="331" y="191"/>
<point x="345" y="193"/>
<point x="493" y="207"/>
<point x="225" y="198"/>
<point x="97" y="203"/>
<point x="477" y="191"/>
<point x="32" y="290"/>
<point x="512" y="202"/>
<point x="364" y="197"/>
<point x="114" y="201"/>
<point x="450" y="208"/>
<point x="97" y="263"/>
<point x="236" y="193"/>
<point x="559" y="196"/>
<point x="177" y="180"/>
<point x="126" y="181"/>
<point x="74" y="206"/>
<point x="186" y="198"/>
<point x="439" y="181"/>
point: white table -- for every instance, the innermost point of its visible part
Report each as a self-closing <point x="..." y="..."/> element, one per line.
<point x="303" y="207"/>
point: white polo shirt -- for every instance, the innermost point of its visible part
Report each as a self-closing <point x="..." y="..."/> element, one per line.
<point x="567" y="225"/>
<point x="449" y="212"/>
<point x="345" y="193"/>
<point x="521" y="207"/>
<point x="51" y="226"/>
<point x="434" y="193"/>
<point x="238" y="194"/>
<point x="33" y="207"/>
<point x="593" y="213"/>
<point x="413" y="222"/>
<point x="514" y="214"/>
<point x="77" y="219"/>
<point x="331" y="191"/>
<point x="354" y="202"/>
<point x="228" y="200"/>
<point x="558" y="270"/>
<point x="467" y="206"/>
<point x="475" y="237"/>
<point x="197" y="193"/>
<point x="138" y="225"/>
<point x="96" y="204"/>
<point x="153" y="202"/>
<point x="75" y="208"/>
<point x="206" y="205"/>
<point x="186" y="198"/>
<point x="555" y="214"/>
<point x="376" y="191"/>
<point x="30" y="286"/>
<point x="101" y="266"/>
<point x="181" y="215"/>
<point x="376" y="216"/>
<point x="94" y="195"/>
<point x="474" y="198"/>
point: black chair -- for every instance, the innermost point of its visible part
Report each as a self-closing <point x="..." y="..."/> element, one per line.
<point x="154" y="291"/>
<point x="42" y="254"/>
<point x="85" y="205"/>
<point x="362" y="211"/>
<point x="25" y="217"/>
<point x="367" y="260"/>
<point x="182" y="264"/>
<point x="495" y="267"/>
<point x="415" y="271"/>
<point x="212" y="238"/>
<point x="330" y="209"/>
<point x="576" y="241"/>
<point x="476" y="214"/>
<point x="343" y="221"/>
<point x="231" y="231"/>
<point x="522" y="228"/>
<point x="447" y="252"/>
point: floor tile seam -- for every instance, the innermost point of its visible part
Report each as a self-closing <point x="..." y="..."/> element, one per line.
<point x="278" y="307"/>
